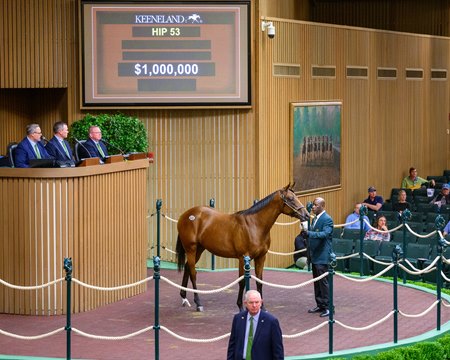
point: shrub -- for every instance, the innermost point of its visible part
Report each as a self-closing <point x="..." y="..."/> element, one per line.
<point x="123" y="132"/>
<point x="445" y="343"/>
<point x="430" y="350"/>
<point x="389" y="355"/>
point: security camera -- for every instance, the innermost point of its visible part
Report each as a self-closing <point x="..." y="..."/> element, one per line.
<point x="271" y="31"/>
<point x="270" y="28"/>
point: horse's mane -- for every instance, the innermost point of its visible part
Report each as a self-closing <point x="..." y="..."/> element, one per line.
<point x="258" y="206"/>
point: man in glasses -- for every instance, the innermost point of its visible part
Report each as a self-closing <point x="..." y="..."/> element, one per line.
<point x="30" y="147"/>
<point x="94" y="146"/>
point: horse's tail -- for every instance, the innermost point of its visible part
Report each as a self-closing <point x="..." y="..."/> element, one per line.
<point x="181" y="254"/>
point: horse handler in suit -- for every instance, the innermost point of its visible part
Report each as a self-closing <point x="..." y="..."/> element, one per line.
<point x="266" y="342"/>
<point x="319" y="238"/>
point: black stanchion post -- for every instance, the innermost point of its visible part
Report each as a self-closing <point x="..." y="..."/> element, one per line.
<point x="439" y="223"/>
<point x="397" y="253"/>
<point x="331" y="266"/>
<point x="309" y="206"/>
<point x="158" y="227"/>
<point x="212" y="203"/>
<point x="156" y="326"/>
<point x="247" y="272"/>
<point x="68" y="328"/>
<point x="405" y="217"/>
<point x="362" y="212"/>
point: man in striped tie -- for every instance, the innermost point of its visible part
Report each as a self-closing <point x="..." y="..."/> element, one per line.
<point x="30" y="147"/>
<point x="58" y="147"/>
<point x="255" y="334"/>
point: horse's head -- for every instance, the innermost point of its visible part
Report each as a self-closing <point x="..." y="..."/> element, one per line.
<point x="292" y="205"/>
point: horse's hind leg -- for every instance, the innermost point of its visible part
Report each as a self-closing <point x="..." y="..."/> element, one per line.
<point x="193" y="274"/>
<point x="184" y="283"/>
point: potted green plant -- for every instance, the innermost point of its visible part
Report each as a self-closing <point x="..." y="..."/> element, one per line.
<point x="122" y="133"/>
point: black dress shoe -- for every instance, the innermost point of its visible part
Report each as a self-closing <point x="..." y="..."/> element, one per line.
<point x="315" y="310"/>
<point x="325" y="313"/>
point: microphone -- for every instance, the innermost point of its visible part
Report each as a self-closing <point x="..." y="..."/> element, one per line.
<point x="114" y="146"/>
<point x="44" y="138"/>
<point x="84" y="147"/>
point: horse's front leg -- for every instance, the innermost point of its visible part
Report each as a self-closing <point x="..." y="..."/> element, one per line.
<point x="259" y="267"/>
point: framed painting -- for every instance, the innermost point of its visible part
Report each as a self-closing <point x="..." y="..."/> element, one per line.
<point x="316" y="146"/>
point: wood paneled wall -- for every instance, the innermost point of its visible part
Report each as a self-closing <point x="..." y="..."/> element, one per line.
<point x="414" y="16"/>
<point x="34" y="47"/>
<point x="387" y="125"/>
<point x="96" y="216"/>
<point x="237" y="156"/>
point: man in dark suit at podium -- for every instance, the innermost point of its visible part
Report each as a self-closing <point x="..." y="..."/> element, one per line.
<point x="58" y="147"/>
<point x="94" y="147"/>
<point x="30" y="148"/>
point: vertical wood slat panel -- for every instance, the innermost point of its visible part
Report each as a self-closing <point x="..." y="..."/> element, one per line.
<point x="386" y="125"/>
<point x="112" y="217"/>
<point x="30" y="51"/>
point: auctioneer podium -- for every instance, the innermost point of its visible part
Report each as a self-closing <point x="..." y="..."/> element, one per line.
<point x="96" y="215"/>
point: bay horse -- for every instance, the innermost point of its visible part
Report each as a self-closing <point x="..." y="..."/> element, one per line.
<point x="236" y="235"/>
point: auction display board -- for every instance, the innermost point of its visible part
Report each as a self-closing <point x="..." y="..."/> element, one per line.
<point x="150" y="54"/>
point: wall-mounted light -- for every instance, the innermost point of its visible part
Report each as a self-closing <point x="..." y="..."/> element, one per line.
<point x="270" y="28"/>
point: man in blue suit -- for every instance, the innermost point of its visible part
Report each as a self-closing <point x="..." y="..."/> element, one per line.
<point x="266" y="342"/>
<point x="319" y="239"/>
<point x="30" y="148"/>
<point x="58" y="147"/>
<point x="94" y="147"/>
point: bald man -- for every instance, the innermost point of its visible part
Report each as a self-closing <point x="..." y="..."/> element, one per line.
<point x="267" y="343"/>
<point x="319" y="238"/>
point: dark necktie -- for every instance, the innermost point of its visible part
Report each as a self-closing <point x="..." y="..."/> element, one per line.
<point x="248" y="354"/>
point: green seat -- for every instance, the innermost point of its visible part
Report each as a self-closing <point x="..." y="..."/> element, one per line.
<point x="397" y="236"/>
<point x="371" y="248"/>
<point x="385" y="255"/>
<point x="342" y="247"/>
<point x="417" y="254"/>
<point x="352" y="234"/>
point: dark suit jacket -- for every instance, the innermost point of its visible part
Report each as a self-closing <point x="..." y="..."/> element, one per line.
<point x="56" y="151"/>
<point x="91" y="147"/>
<point x="24" y="152"/>
<point x="320" y="236"/>
<point x="267" y="342"/>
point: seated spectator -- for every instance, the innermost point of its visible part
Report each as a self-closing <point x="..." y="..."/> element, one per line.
<point x="94" y="146"/>
<point x="415" y="182"/>
<point x="300" y="258"/>
<point x="375" y="234"/>
<point x="355" y="216"/>
<point x="443" y="197"/>
<point x="401" y="204"/>
<point x="374" y="202"/>
<point x="30" y="147"/>
<point x="58" y="147"/>
<point x="446" y="230"/>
